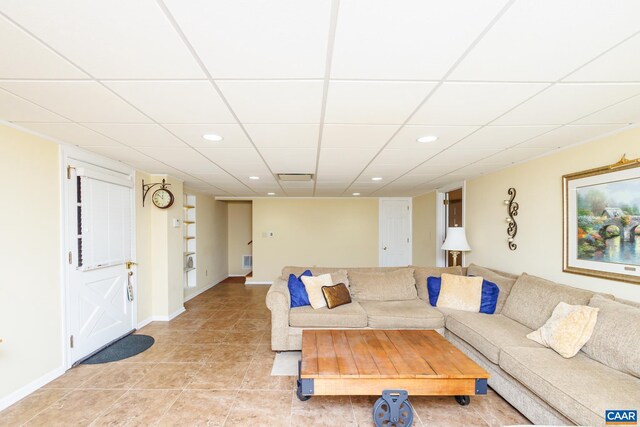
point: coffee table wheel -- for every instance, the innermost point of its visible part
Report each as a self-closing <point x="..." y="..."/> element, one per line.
<point x="393" y="410"/>
<point x="463" y="400"/>
<point x="299" y="393"/>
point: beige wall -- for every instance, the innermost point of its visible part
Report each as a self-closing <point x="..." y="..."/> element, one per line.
<point x="308" y="232"/>
<point x="30" y="292"/>
<point x="211" y="242"/>
<point x="144" y="258"/>
<point x="239" y="235"/>
<point x="539" y="193"/>
<point x="424" y="229"/>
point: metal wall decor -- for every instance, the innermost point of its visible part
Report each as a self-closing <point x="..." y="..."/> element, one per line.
<point x="147" y="187"/>
<point x="512" y="211"/>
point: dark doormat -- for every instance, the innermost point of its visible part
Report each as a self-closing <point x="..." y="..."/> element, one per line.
<point x="126" y="347"/>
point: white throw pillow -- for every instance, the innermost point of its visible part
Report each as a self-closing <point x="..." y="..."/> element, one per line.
<point x="568" y="329"/>
<point x="313" y="285"/>
<point x="460" y="292"/>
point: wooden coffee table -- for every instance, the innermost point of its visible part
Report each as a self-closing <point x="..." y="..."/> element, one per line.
<point x="391" y="363"/>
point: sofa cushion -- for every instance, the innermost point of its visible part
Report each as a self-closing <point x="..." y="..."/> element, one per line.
<point x="396" y="285"/>
<point x="402" y="315"/>
<point x="488" y="333"/>
<point x="580" y="387"/>
<point x="345" y="316"/>
<point x="532" y="299"/>
<point x="331" y="270"/>
<point x="505" y="283"/>
<point x="421" y="273"/>
<point x="616" y="337"/>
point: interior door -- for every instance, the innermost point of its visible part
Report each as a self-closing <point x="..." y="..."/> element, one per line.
<point x="454" y="218"/>
<point x="100" y="288"/>
<point x="395" y="232"/>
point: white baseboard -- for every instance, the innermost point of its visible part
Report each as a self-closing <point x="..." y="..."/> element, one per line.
<point x="237" y="275"/>
<point x="22" y="392"/>
<point x="176" y="313"/>
<point x="257" y="282"/>
<point x="145" y="322"/>
<point x="206" y="288"/>
<point x="172" y="316"/>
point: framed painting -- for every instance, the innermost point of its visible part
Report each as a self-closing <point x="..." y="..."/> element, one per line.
<point x="602" y="222"/>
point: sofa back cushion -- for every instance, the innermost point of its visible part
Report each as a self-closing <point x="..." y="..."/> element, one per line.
<point x="421" y="273"/>
<point x="505" y="283"/>
<point x="338" y="275"/>
<point x="395" y="285"/>
<point x="532" y="299"/>
<point x="615" y="341"/>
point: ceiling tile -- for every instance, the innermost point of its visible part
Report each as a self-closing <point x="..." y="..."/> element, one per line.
<point x="627" y="111"/>
<point x="501" y="137"/>
<point x="114" y="39"/>
<point x="274" y="101"/>
<point x="80" y="101"/>
<point x="619" y="64"/>
<point x="233" y="135"/>
<point x="374" y="102"/>
<point x="175" y="101"/>
<point x="216" y="178"/>
<point x="15" y="109"/>
<point x="120" y="153"/>
<point x="564" y="103"/>
<point x="30" y="59"/>
<point x="569" y="135"/>
<point x="71" y="133"/>
<point x="185" y="159"/>
<point x="408" y="39"/>
<point x="447" y="136"/>
<point x="532" y="41"/>
<point x="473" y="103"/>
<point x="137" y="135"/>
<point x="515" y="155"/>
<point x="257" y="39"/>
<point x="284" y="135"/>
<point x="405" y="158"/>
<point x="356" y="136"/>
<point x="289" y="160"/>
<point x="343" y="161"/>
<point x="452" y="159"/>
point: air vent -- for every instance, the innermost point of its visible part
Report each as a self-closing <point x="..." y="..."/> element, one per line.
<point x="295" y="176"/>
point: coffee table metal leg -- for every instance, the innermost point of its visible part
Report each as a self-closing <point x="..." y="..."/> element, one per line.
<point x="393" y="409"/>
<point x="304" y="388"/>
<point x="463" y="400"/>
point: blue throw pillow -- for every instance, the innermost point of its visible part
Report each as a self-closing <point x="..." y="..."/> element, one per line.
<point x="488" y="299"/>
<point x="297" y="291"/>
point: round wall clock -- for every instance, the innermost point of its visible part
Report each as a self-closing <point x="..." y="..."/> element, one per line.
<point x="162" y="198"/>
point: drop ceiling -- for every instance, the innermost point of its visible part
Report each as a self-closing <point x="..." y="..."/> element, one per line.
<point x="339" y="89"/>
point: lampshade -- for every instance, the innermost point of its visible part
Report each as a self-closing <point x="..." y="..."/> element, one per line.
<point x="456" y="240"/>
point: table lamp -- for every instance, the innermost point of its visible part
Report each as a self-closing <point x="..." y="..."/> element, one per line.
<point x="455" y="242"/>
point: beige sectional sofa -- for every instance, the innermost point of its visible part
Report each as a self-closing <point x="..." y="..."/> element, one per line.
<point x="544" y="386"/>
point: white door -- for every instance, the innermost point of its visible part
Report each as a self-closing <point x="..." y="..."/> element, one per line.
<point x="100" y="288"/>
<point x="395" y="232"/>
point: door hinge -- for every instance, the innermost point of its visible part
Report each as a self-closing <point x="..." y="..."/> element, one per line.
<point x="70" y="258"/>
<point x="445" y="202"/>
<point x="71" y="341"/>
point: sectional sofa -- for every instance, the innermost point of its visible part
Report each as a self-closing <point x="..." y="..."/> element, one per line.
<point x="545" y="387"/>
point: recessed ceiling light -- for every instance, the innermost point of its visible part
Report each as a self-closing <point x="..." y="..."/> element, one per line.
<point x="254" y="177"/>
<point x="356" y="194"/>
<point x="376" y="178"/>
<point x="212" y="137"/>
<point x="271" y="194"/>
<point x="427" y="138"/>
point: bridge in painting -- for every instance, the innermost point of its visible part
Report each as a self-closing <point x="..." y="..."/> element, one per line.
<point x="614" y="217"/>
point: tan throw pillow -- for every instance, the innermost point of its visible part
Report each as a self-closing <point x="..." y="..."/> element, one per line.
<point x="313" y="286"/>
<point x="567" y="330"/>
<point x="460" y="292"/>
<point x="336" y="295"/>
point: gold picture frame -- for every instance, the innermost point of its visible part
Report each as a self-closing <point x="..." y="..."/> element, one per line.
<point x="600" y="239"/>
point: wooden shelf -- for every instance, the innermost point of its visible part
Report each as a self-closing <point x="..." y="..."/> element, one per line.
<point x="189" y="253"/>
<point x="189" y="222"/>
<point x="186" y="270"/>
<point x="189" y="207"/>
<point x="189" y="238"/>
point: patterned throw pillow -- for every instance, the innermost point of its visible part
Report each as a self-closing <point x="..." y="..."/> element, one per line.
<point x="297" y="291"/>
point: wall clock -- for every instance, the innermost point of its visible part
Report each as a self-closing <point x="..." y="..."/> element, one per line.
<point x="162" y="198"/>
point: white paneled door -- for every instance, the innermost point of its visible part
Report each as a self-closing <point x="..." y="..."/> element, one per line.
<point x="100" y="281"/>
<point x="395" y="232"/>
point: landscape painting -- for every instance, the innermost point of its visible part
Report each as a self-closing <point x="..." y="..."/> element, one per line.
<point x="608" y="216"/>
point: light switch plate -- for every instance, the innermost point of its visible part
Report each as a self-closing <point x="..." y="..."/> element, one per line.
<point x="176" y="222"/>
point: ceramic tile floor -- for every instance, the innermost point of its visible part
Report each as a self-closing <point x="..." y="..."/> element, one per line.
<point x="211" y="367"/>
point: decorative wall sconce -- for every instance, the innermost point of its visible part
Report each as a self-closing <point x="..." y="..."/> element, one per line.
<point x="512" y="211"/>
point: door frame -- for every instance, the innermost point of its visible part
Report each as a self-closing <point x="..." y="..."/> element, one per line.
<point x="380" y="243"/>
<point x="441" y="214"/>
<point x="68" y="153"/>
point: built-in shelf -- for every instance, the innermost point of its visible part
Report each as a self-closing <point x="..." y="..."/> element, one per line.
<point x="186" y="270"/>
<point x="189" y="238"/>
<point x="189" y="253"/>
<point x="189" y="222"/>
<point x="189" y="207"/>
<point x="190" y="233"/>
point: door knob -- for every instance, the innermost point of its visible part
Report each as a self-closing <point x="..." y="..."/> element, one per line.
<point x="128" y="264"/>
<point x="385" y="248"/>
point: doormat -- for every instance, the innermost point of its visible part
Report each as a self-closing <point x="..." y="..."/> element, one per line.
<point x="122" y="349"/>
<point x="286" y="364"/>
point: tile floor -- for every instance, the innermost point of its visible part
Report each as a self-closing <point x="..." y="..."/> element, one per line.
<point x="211" y="367"/>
